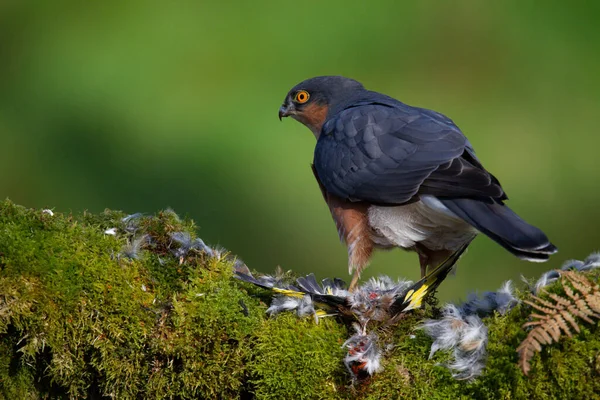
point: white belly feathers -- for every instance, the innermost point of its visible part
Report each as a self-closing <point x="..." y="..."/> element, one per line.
<point x="426" y="221"/>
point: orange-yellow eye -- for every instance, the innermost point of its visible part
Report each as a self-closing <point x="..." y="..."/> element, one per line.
<point x="301" y="97"/>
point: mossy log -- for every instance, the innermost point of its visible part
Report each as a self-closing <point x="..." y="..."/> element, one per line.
<point x="81" y="318"/>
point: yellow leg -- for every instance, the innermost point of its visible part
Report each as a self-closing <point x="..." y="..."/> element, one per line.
<point x="423" y="260"/>
<point x="354" y="281"/>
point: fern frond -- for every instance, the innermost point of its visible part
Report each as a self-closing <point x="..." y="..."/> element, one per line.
<point x="569" y="318"/>
<point x="558" y="315"/>
<point x="544" y="305"/>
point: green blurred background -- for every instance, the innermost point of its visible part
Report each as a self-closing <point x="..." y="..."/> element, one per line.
<point x="141" y="105"/>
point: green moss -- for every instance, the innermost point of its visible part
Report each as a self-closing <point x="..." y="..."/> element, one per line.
<point x="298" y="359"/>
<point x="90" y="321"/>
<point x="78" y="319"/>
<point x="16" y="382"/>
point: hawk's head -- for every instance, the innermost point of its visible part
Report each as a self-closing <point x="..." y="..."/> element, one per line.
<point x="312" y="100"/>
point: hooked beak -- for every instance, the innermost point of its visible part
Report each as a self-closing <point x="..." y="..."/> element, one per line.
<point x="284" y="111"/>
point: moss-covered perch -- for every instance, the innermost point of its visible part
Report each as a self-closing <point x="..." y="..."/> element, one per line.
<point x="79" y="318"/>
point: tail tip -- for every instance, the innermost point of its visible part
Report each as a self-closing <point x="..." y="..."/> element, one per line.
<point x="541" y="254"/>
<point x="551" y="249"/>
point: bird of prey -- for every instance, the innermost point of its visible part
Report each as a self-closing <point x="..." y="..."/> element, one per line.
<point x="394" y="175"/>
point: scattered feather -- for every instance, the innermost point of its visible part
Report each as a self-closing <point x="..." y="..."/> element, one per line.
<point x="131" y="217"/>
<point x="111" y="231"/>
<point x="592" y="262"/>
<point x="465" y="335"/>
<point x="505" y="298"/>
<point x="131" y="222"/>
<point x="373" y="300"/>
<point x="364" y="356"/>
<point x="501" y="301"/>
<point x="133" y="249"/>
<point x="470" y="354"/>
<point x="276" y="281"/>
<point x="238" y="264"/>
<point x="302" y="306"/>
<point x="48" y="211"/>
<point x="446" y="331"/>
<point x="186" y="244"/>
<point x="462" y="331"/>
<point x="547" y="278"/>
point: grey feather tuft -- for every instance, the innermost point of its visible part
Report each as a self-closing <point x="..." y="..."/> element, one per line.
<point x="470" y="354"/>
<point x="131" y="222"/>
<point x="465" y="334"/>
<point x="501" y="301"/>
<point x="593" y="261"/>
<point x="187" y="244"/>
<point x="505" y="298"/>
<point x="462" y="331"/>
<point x="445" y="332"/>
<point x="549" y="277"/>
<point x="386" y="284"/>
<point x="301" y="305"/>
<point x="546" y="279"/>
<point x="364" y="356"/>
<point x="372" y="301"/>
<point x="133" y="249"/>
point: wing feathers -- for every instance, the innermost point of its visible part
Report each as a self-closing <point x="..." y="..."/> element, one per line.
<point x="505" y="227"/>
<point x="388" y="155"/>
